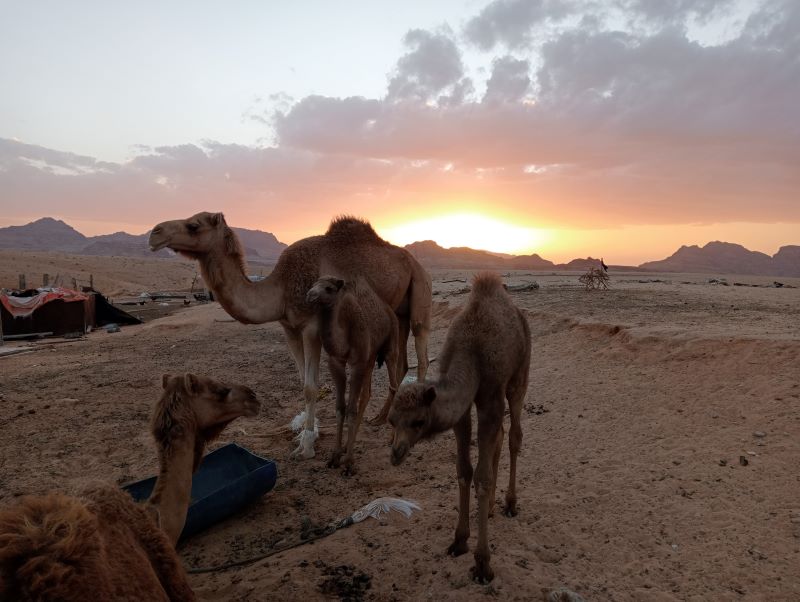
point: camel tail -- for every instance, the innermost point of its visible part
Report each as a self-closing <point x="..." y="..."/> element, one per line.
<point x="486" y="283"/>
<point x="47" y="547"/>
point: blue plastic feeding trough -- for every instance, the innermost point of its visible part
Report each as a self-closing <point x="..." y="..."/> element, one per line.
<point x="228" y="479"/>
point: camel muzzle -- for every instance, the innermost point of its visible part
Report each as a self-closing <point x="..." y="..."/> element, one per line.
<point x="157" y="239"/>
<point x="399" y="453"/>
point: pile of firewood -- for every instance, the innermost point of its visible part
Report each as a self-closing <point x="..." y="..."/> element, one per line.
<point x="595" y="279"/>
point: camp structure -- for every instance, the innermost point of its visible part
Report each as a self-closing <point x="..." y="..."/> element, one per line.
<point x="57" y="311"/>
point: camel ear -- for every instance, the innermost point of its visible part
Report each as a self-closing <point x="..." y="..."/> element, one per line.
<point x="339" y="284"/>
<point x="217" y="219"/>
<point x="191" y="382"/>
<point x="165" y="380"/>
<point x="428" y="395"/>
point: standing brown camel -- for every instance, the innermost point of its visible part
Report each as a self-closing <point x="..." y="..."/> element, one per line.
<point x="348" y="249"/>
<point x="101" y="545"/>
<point x="357" y="328"/>
<point x="485" y="360"/>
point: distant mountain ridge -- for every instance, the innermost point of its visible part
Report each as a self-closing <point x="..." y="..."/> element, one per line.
<point x="48" y="234"/>
<point x="730" y="258"/>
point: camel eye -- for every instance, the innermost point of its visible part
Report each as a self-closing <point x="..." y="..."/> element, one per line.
<point x="192" y="227"/>
<point x="417" y="424"/>
<point x="224" y="392"/>
<point x="328" y="289"/>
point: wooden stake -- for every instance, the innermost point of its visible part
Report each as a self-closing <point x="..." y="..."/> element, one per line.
<point x="22" y="285"/>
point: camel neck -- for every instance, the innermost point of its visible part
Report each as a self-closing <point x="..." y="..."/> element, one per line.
<point x="173" y="488"/>
<point x="246" y="301"/>
<point x="455" y="392"/>
<point x="330" y="328"/>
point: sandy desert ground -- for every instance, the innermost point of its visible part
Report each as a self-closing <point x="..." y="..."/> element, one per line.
<point x="642" y="401"/>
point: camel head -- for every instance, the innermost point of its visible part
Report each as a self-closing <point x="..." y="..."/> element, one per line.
<point x="411" y="417"/>
<point x="199" y="406"/>
<point x="325" y="291"/>
<point x="195" y="237"/>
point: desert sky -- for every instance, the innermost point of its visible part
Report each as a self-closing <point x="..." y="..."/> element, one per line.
<point x="621" y="128"/>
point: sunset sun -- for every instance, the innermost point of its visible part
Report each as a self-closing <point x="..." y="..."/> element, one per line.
<point x="470" y="230"/>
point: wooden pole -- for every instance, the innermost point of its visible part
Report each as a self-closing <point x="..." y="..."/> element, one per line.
<point x="22" y="285"/>
<point x="45" y="279"/>
<point x="91" y="281"/>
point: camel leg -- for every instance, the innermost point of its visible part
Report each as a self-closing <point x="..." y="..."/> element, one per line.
<point x="516" y="395"/>
<point x="421" y="345"/>
<point x="339" y="375"/>
<point x="356" y="413"/>
<point x="495" y="464"/>
<point x="311" y="347"/>
<point x="404" y="328"/>
<point x="489" y="425"/>
<point x="463" y="433"/>
<point x="295" y="342"/>
<point x="391" y="369"/>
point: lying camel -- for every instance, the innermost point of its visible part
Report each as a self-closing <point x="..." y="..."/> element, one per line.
<point x="357" y="328"/>
<point x="485" y="360"/>
<point x="348" y="249"/>
<point x="101" y="545"/>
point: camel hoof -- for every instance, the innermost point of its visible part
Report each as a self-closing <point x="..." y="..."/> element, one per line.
<point x="302" y="453"/>
<point x="457" y="548"/>
<point x="335" y="461"/>
<point x="510" y="510"/>
<point x="349" y="470"/>
<point x="481" y="573"/>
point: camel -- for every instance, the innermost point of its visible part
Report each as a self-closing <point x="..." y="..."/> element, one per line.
<point x="102" y="545"/>
<point x="486" y="358"/>
<point x="349" y="248"/>
<point x="357" y="328"/>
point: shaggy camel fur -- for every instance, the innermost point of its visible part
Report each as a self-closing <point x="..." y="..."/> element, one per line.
<point x="357" y="328"/>
<point x="348" y="249"/>
<point x="485" y="360"/>
<point x="103" y="546"/>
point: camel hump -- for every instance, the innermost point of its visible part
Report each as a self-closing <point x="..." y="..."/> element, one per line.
<point x="486" y="283"/>
<point x="352" y="229"/>
<point x="53" y="536"/>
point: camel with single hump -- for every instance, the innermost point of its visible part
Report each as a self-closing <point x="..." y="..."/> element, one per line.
<point x="358" y="329"/>
<point x="350" y="248"/>
<point x="485" y="361"/>
<point x="101" y="545"/>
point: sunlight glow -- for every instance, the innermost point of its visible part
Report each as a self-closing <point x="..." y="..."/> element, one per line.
<point x="469" y="230"/>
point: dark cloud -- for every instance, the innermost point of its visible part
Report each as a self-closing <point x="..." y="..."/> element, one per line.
<point x="511" y="22"/>
<point x="432" y="70"/>
<point x="509" y="81"/>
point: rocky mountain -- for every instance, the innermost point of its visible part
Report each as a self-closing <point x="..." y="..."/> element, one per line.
<point x="43" y="235"/>
<point x="48" y="234"/>
<point x="787" y="261"/>
<point x="728" y="258"/>
<point x="121" y="243"/>
<point x="264" y="244"/>
<point x="430" y="254"/>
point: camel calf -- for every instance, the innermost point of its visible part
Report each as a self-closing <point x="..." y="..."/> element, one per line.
<point x="102" y="545"/>
<point x="357" y="329"/>
<point x="485" y="361"/>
